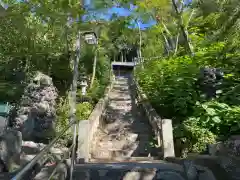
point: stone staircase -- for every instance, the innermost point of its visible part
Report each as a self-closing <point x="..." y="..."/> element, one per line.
<point x="121" y="146"/>
<point x="121" y="150"/>
<point x="125" y="131"/>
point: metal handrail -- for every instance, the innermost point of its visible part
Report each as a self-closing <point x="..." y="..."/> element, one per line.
<point x="45" y="150"/>
<point x="65" y="157"/>
<point x="72" y="122"/>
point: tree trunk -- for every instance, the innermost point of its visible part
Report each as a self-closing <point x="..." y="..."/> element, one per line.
<point x="121" y="56"/>
<point x="94" y="68"/>
<point x="176" y="45"/>
<point x="167" y="46"/>
<point x="125" y="56"/>
<point x="184" y="31"/>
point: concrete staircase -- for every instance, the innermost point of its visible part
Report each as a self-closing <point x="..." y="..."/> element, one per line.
<point x="121" y="146"/>
<point x="125" y="131"/>
<point x="120" y="149"/>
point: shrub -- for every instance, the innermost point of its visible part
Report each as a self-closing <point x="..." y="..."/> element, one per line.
<point x="62" y="114"/>
<point x="63" y="119"/>
<point x="219" y="118"/>
<point x="194" y="136"/>
<point x="170" y="85"/>
<point x="83" y="110"/>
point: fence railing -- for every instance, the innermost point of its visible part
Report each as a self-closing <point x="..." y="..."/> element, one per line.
<point x="43" y="156"/>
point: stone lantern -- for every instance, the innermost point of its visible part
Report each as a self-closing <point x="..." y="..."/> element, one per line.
<point x="83" y="84"/>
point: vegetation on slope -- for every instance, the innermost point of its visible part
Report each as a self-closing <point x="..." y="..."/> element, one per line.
<point x="171" y="82"/>
<point x="40" y="35"/>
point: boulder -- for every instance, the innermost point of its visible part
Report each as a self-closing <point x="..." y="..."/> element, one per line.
<point x="10" y="146"/>
<point x="209" y="81"/>
<point x="36" y="114"/>
<point x="230" y="147"/>
<point x="3" y="125"/>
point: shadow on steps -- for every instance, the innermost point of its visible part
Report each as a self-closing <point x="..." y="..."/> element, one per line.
<point x="124" y="119"/>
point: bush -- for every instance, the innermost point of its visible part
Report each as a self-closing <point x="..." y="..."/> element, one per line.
<point x="62" y="120"/>
<point x="194" y="136"/>
<point x="171" y="85"/>
<point x="219" y="118"/>
<point x="83" y="110"/>
<point x="96" y="91"/>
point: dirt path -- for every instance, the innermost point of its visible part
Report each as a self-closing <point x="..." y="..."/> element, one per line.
<point x="127" y="132"/>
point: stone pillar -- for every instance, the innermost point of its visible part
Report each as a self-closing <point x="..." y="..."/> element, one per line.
<point x="167" y="135"/>
<point x="83" y="149"/>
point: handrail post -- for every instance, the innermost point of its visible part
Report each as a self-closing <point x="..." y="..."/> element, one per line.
<point x="73" y="99"/>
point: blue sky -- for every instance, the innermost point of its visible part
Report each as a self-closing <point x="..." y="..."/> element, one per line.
<point x="120" y="11"/>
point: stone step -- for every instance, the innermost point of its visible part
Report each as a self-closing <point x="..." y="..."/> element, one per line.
<point x="221" y="166"/>
<point x="137" y="170"/>
<point x="129" y="165"/>
<point x="114" y="153"/>
<point x="44" y="172"/>
<point x="126" y="159"/>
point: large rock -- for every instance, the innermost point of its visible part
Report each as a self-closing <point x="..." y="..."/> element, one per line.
<point x="231" y="147"/>
<point x="209" y="81"/>
<point x="227" y="153"/>
<point x="10" y="146"/>
<point x="222" y="168"/>
<point x="36" y="114"/>
<point x="3" y="125"/>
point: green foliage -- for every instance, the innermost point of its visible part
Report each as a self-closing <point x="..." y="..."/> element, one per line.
<point x="83" y="110"/>
<point x="194" y="136"/>
<point x="96" y="91"/>
<point x="219" y="118"/>
<point x="171" y="87"/>
<point x="62" y="119"/>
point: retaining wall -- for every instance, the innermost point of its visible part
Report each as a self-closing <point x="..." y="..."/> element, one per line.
<point x="87" y="128"/>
